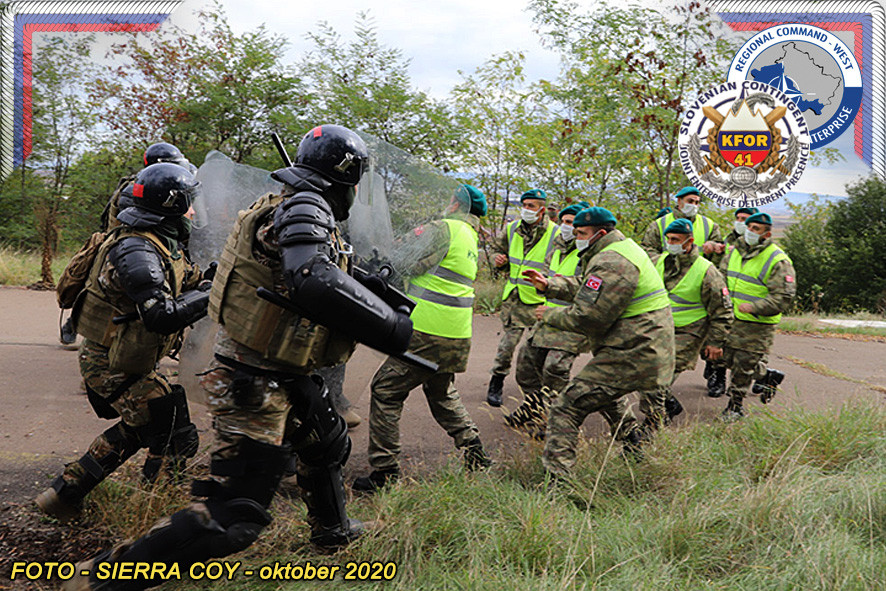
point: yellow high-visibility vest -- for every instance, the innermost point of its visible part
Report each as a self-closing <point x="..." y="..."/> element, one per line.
<point x="747" y="280"/>
<point x="534" y="259"/>
<point x="650" y="293"/>
<point x="686" y="305"/>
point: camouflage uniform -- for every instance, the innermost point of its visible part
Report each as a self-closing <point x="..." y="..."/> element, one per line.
<point x="515" y="315"/>
<point x="547" y="357"/>
<point x="714" y="297"/>
<point x="129" y="394"/>
<point x="395" y="379"/>
<point x="630" y="354"/>
<point x="652" y="239"/>
<point x="748" y="344"/>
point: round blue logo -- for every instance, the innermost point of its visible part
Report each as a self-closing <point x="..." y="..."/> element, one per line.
<point x="812" y="67"/>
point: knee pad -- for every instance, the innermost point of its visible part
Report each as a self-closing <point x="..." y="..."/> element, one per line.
<point x="170" y="430"/>
<point x="253" y="473"/>
<point x="313" y="407"/>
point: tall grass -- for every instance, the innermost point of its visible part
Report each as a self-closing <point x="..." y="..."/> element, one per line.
<point x="23" y="268"/>
<point x="772" y="502"/>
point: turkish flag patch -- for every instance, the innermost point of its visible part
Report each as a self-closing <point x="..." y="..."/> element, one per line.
<point x="418" y="231"/>
<point x="789" y="278"/>
<point x="594" y="283"/>
<point x="726" y="292"/>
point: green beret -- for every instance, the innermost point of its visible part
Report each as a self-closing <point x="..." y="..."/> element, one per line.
<point x="473" y="198"/>
<point x="594" y="216"/>
<point x="759" y="218"/>
<point x="747" y="210"/>
<point x="534" y="194"/>
<point x="679" y="226"/>
<point x="687" y="191"/>
<point x="572" y="209"/>
<point x="663" y="212"/>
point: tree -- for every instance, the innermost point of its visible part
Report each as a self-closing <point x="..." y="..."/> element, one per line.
<point x="210" y="90"/>
<point x="63" y="120"/>
<point x="366" y="86"/>
<point x="809" y="246"/>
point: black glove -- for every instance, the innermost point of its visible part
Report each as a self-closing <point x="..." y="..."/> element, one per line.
<point x="209" y="272"/>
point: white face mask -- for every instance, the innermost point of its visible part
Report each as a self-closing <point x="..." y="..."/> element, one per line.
<point x="528" y="216"/>
<point x="740" y="227"/>
<point x="566" y="232"/>
<point x="580" y="244"/>
<point x="675" y="249"/>
<point x="751" y="237"/>
<point x="689" y="209"/>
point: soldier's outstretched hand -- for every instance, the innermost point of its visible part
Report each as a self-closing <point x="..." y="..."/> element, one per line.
<point x="536" y="278"/>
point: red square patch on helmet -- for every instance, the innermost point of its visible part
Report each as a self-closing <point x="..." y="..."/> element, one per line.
<point x="138" y="190"/>
<point x="594" y="283"/>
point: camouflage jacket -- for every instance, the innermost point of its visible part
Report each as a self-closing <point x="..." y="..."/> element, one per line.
<point x="714" y="297"/>
<point x="754" y="336"/>
<point x="634" y="353"/>
<point x="652" y="237"/>
<point x="546" y="336"/>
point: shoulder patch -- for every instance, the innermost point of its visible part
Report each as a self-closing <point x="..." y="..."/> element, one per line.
<point x="594" y="283"/>
<point x="418" y="231"/>
<point x="726" y="292"/>
<point x="789" y="278"/>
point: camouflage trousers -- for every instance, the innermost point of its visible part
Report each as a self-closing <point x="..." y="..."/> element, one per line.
<point x="120" y="442"/>
<point x="744" y="367"/>
<point x="569" y="411"/>
<point x="537" y="367"/>
<point x="652" y="405"/>
<point x="510" y="338"/>
<point x="391" y="385"/>
<point x="687" y="348"/>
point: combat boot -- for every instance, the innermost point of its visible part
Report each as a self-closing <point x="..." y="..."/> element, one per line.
<point x="475" y="456"/>
<point x="61" y="500"/>
<point x="768" y="385"/>
<point x="494" y="394"/>
<point x="526" y="412"/>
<point x="633" y="446"/>
<point x="376" y="480"/>
<point x="732" y="413"/>
<point x="708" y="369"/>
<point x="717" y="382"/>
<point x="672" y="407"/>
<point x="351" y="418"/>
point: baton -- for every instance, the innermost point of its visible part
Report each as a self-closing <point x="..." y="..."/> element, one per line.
<point x="282" y="150"/>
<point x="125" y="318"/>
<point x="406" y="357"/>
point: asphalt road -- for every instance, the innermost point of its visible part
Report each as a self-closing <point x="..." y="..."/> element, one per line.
<point x="45" y="419"/>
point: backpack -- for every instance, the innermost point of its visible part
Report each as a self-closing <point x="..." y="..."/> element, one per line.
<point x="73" y="278"/>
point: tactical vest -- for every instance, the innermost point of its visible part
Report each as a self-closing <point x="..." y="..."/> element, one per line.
<point x="700" y="232"/>
<point x="567" y="267"/>
<point x="747" y="280"/>
<point x="686" y="305"/>
<point x="444" y="296"/>
<point x="132" y="348"/>
<point x="281" y="336"/>
<point x="534" y="259"/>
<point x="650" y="293"/>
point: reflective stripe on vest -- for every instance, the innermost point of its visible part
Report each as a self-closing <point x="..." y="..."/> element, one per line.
<point x="444" y="297"/>
<point x="686" y="305"/>
<point x="650" y="293"/>
<point x="747" y="280"/>
<point x="567" y="268"/>
<point x="534" y="259"/>
<point x="700" y="232"/>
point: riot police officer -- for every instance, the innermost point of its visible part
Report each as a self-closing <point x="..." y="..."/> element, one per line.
<point x="264" y="401"/>
<point x="140" y="274"/>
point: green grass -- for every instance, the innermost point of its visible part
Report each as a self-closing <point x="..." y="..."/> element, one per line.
<point x="23" y="268"/>
<point x="772" y="502"/>
<point x="809" y="323"/>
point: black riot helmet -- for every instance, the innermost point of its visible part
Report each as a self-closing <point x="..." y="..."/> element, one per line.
<point x="161" y="190"/>
<point x="163" y="152"/>
<point x="335" y="152"/>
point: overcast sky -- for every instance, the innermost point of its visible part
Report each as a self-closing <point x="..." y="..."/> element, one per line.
<point x="445" y="36"/>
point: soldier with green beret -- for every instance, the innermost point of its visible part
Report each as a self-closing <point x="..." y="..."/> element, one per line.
<point x="762" y="284"/>
<point x="705" y="231"/>
<point x="700" y="302"/>
<point x="715" y="370"/>
<point x="544" y="363"/>
<point x="622" y="306"/>
<point x="441" y="269"/>
<point x="526" y="243"/>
